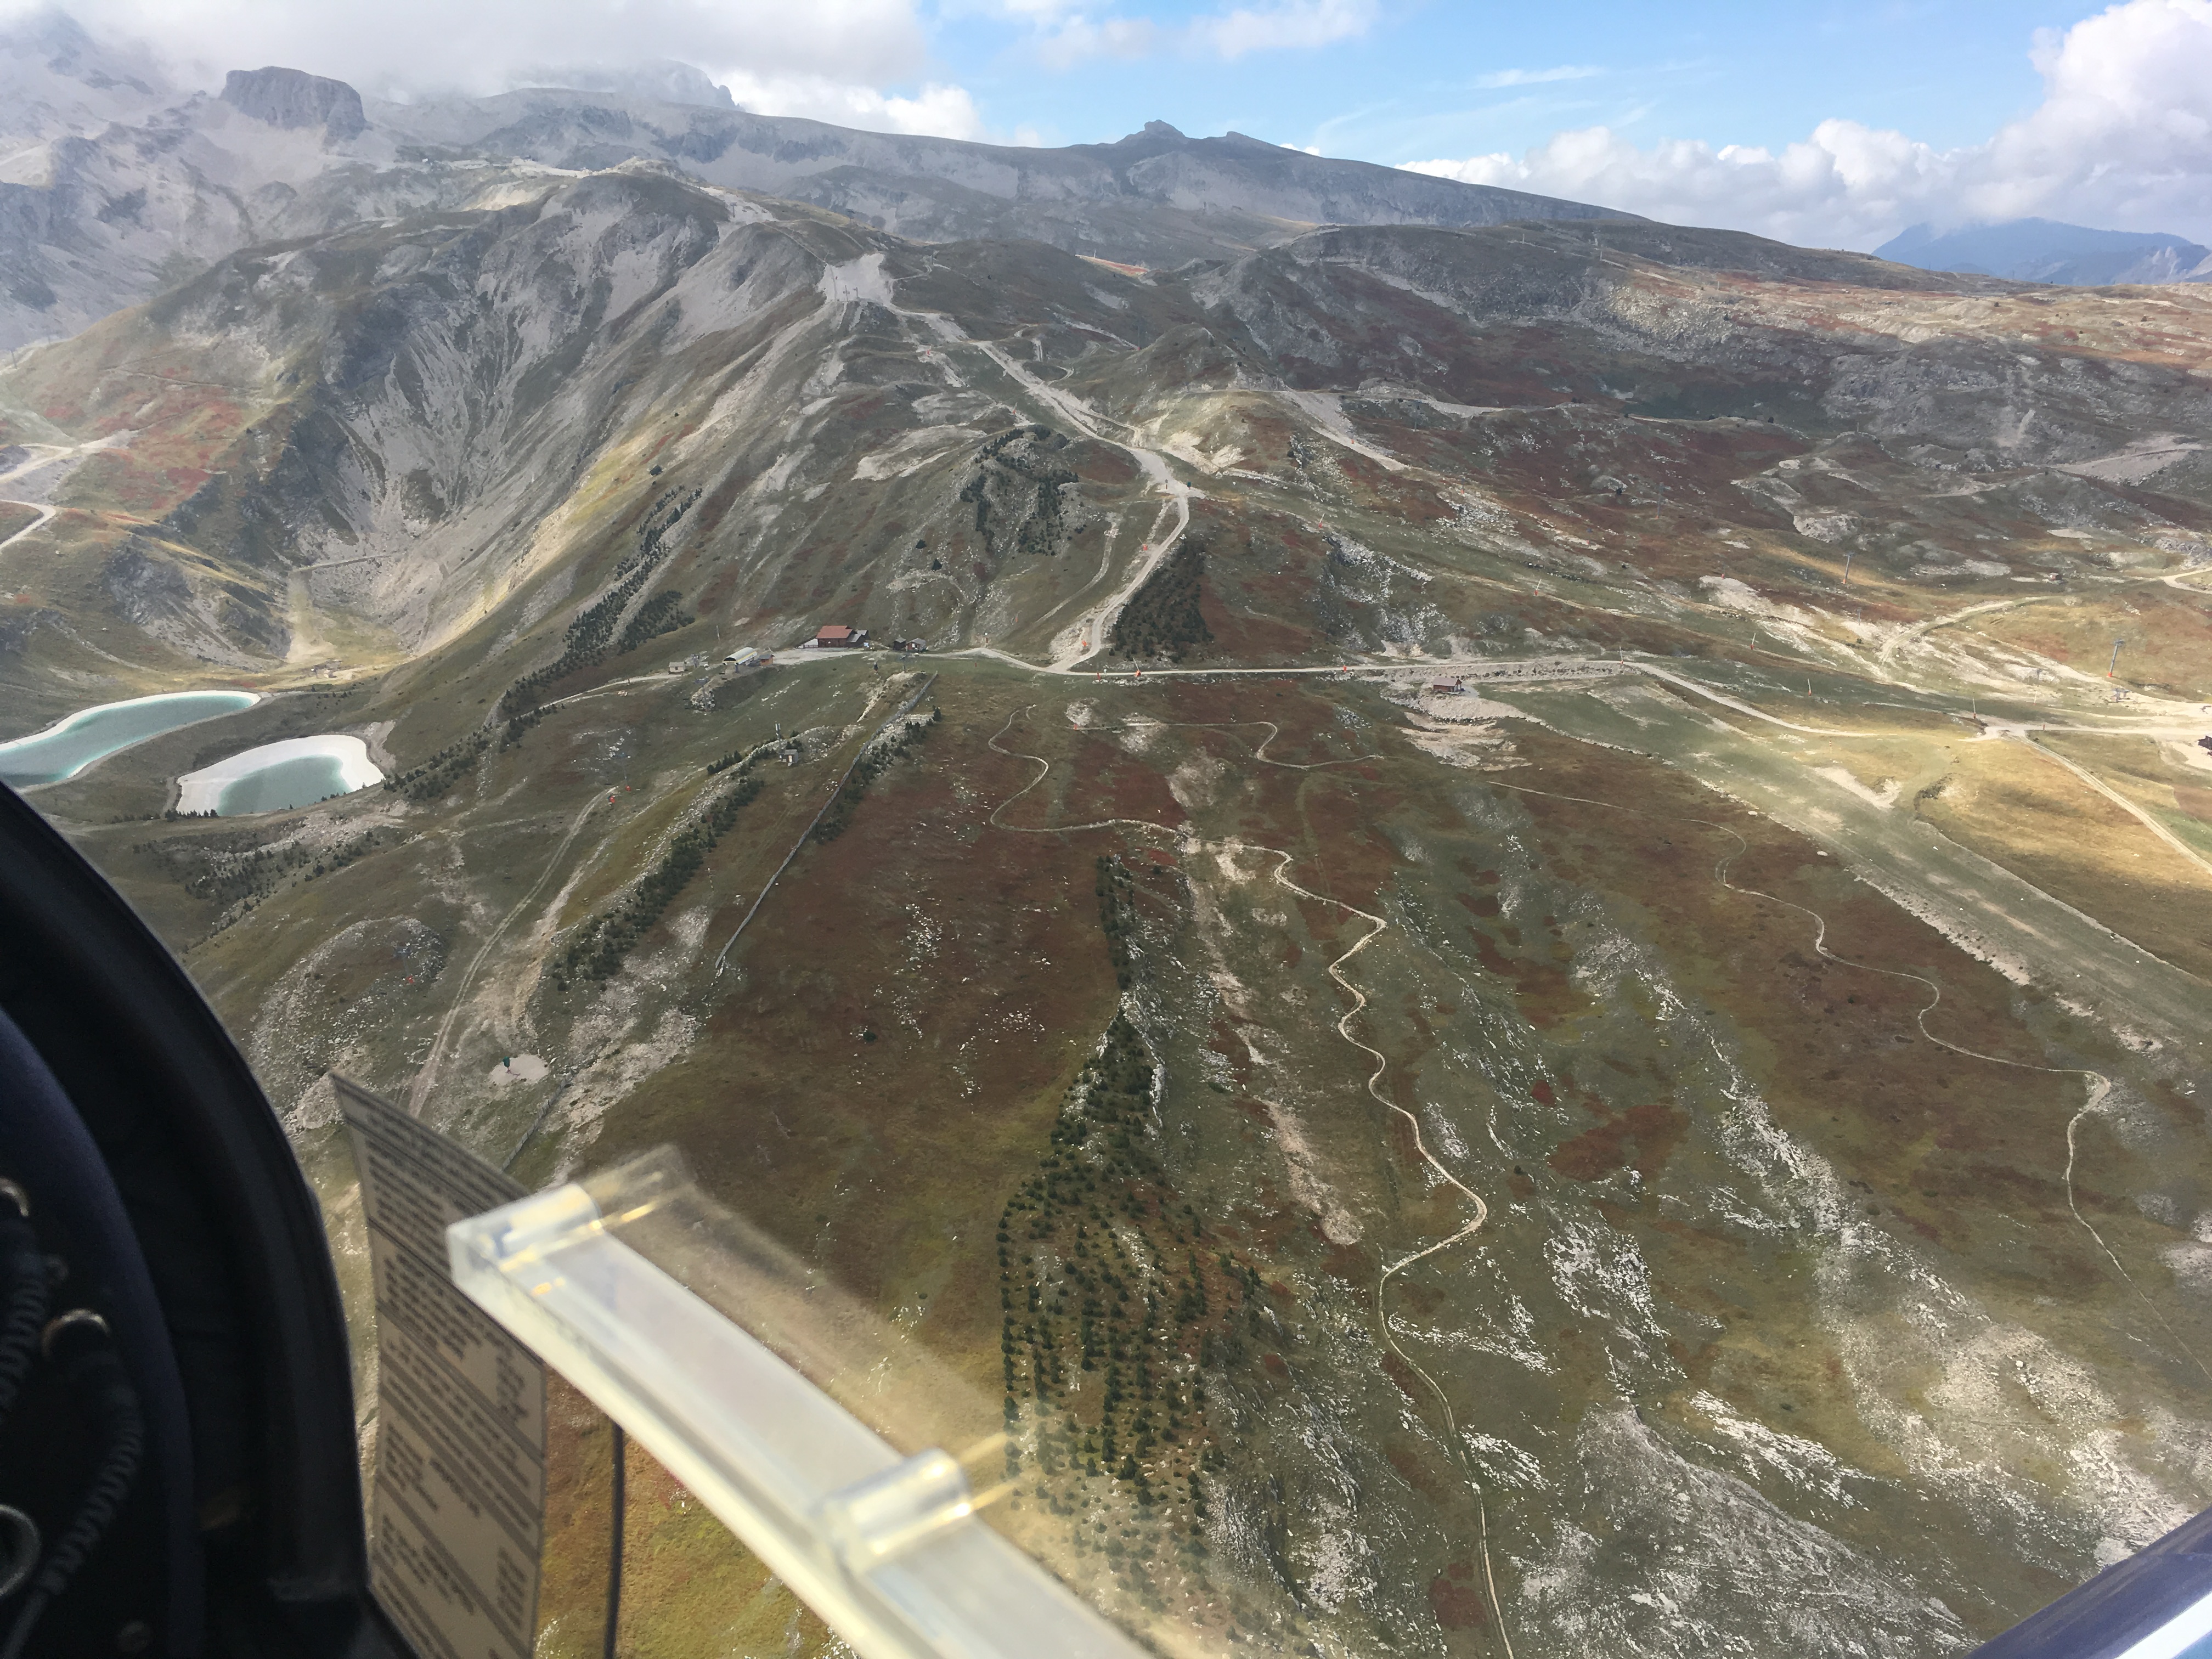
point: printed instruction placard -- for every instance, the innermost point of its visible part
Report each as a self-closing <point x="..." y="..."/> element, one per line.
<point x="458" y="1519"/>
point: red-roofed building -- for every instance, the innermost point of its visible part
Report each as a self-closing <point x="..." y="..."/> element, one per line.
<point x="837" y="636"/>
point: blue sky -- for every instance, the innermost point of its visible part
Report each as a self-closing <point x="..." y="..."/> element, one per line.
<point x="1423" y="80"/>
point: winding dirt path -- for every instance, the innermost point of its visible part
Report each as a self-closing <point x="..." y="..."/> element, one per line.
<point x="1084" y="638"/>
<point x="1474" y="1225"/>
<point x="48" y="513"/>
<point x="1378" y="926"/>
<point x="39" y="458"/>
<point x="1917" y="634"/>
<point x="1259" y="754"/>
<point x="1683" y="682"/>
<point x="1887" y="653"/>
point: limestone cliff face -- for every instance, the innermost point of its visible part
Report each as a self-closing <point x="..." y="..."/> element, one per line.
<point x="426" y="397"/>
<point x="287" y="98"/>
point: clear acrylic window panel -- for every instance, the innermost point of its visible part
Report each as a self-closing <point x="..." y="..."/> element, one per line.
<point x="917" y="1513"/>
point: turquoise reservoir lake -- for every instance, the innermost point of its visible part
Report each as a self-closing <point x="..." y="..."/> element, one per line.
<point x="275" y="777"/>
<point x="65" y="748"/>
<point x="287" y="784"/>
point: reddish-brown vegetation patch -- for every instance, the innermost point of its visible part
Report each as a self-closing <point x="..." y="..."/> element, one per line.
<point x="1838" y="1052"/>
<point x="1456" y="1597"/>
<point x="1643" y="1139"/>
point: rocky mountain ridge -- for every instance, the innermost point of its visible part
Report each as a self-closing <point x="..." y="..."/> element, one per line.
<point x="405" y="428"/>
<point x="121" y="186"/>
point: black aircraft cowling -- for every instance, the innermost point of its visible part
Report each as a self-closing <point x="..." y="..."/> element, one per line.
<point x="155" y="1170"/>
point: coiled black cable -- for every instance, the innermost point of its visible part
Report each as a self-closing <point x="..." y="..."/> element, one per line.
<point x="79" y="1343"/>
<point x="25" y="1285"/>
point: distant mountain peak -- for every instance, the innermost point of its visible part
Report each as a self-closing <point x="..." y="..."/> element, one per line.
<point x="57" y="37"/>
<point x="294" y="98"/>
<point x="54" y="78"/>
<point x="664" y="81"/>
<point x="1153" y="138"/>
<point x="2049" y="251"/>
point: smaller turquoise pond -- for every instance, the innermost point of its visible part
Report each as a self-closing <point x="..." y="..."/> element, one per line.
<point x="64" y="750"/>
<point x="275" y="777"/>
<point x="287" y="784"/>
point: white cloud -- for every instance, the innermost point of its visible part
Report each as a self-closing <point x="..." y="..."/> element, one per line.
<point x="485" y="45"/>
<point x="1293" y="25"/>
<point x="1067" y="37"/>
<point x="2122" y="139"/>
<point x="943" y="112"/>
<point x="856" y="63"/>
<point x="1073" y="39"/>
<point x="1844" y="186"/>
<point x="1520" y="77"/>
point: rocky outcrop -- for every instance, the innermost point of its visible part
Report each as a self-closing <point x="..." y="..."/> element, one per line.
<point x="291" y="98"/>
<point x="1157" y="197"/>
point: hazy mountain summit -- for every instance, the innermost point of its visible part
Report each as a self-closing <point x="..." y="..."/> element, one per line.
<point x="128" y="185"/>
<point x="288" y="97"/>
<point x="57" y="79"/>
<point x="1155" y="196"/>
<point x="664" y="81"/>
<point x="2045" y="250"/>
